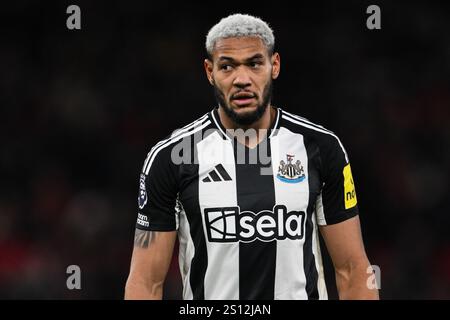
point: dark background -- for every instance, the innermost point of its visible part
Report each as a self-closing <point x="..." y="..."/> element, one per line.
<point x="79" y="110"/>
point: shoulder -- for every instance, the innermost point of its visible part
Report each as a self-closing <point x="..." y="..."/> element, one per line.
<point x="301" y="125"/>
<point x="162" y="150"/>
<point x="325" y="139"/>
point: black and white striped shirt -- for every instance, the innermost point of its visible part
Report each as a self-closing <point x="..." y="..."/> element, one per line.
<point x="248" y="229"/>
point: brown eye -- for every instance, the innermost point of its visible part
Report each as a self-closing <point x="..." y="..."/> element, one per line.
<point x="225" y="67"/>
<point x="255" y="64"/>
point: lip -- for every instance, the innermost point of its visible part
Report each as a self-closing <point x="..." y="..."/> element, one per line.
<point x="243" y="101"/>
<point x="243" y="94"/>
<point x="243" y="98"/>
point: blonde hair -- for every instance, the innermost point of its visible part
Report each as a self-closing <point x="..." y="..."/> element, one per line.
<point x="240" y="25"/>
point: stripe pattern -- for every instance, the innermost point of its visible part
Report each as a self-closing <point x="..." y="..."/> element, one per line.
<point x="223" y="257"/>
<point x="223" y="198"/>
<point x="290" y="280"/>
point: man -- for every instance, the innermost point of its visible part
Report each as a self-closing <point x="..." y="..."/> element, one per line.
<point x="253" y="187"/>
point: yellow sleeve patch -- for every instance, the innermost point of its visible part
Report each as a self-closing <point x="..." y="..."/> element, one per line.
<point x="349" y="188"/>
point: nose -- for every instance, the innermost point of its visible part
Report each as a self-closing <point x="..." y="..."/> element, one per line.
<point x="242" y="79"/>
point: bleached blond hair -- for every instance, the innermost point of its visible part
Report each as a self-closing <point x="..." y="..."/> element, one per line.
<point x="240" y="25"/>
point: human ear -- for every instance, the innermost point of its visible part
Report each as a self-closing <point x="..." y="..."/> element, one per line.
<point x="208" y="65"/>
<point x="275" y="65"/>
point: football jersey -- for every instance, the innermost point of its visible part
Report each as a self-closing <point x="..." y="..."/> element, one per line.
<point x="247" y="218"/>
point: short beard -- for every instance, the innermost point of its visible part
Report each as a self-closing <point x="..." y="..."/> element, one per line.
<point x="247" y="118"/>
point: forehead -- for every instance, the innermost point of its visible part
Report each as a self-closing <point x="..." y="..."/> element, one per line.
<point x="241" y="47"/>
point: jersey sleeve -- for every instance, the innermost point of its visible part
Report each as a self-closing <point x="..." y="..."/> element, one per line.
<point x="337" y="201"/>
<point x="158" y="190"/>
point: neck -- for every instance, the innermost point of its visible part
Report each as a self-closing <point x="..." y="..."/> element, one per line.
<point x="258" y="128"/>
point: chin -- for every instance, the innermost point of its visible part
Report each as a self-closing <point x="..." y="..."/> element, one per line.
<point x="244" y="108"/>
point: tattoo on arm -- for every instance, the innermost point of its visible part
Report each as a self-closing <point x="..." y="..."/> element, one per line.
<point x="143" y="238"/>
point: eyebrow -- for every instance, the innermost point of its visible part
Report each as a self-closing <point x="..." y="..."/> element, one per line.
<point x="254" y="57"/>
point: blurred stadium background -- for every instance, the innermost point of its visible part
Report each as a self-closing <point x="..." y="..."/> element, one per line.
<point x="79" y="110"/>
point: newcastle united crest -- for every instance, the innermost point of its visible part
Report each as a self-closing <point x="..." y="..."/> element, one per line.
<point x="291" y="172"/>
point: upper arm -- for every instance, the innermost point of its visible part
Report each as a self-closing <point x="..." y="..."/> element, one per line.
<point x="337" y="200"/>
<point x="336" y="207"/>
<point x="344" y="243"/>
<point x="156" y="223"/>
<point x="158" y="191"/>
<point x="152" y="255"/>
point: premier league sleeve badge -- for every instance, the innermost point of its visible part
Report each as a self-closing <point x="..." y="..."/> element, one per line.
<point x="142" y="199"/>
